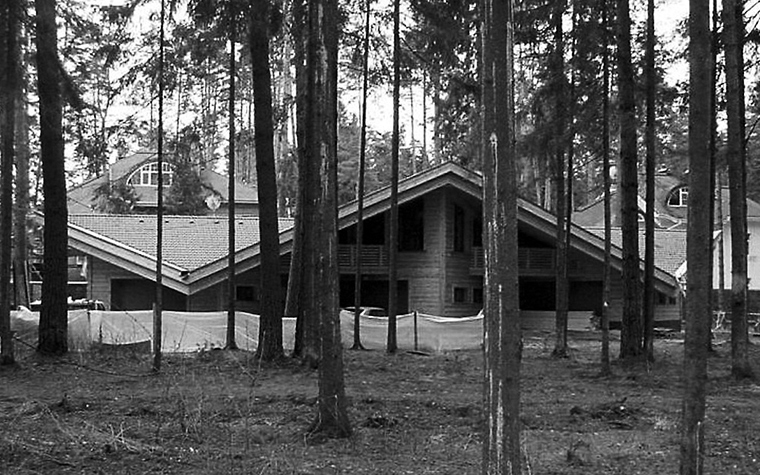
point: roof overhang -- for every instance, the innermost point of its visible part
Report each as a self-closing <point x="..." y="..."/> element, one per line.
<point x="127" y="258"/>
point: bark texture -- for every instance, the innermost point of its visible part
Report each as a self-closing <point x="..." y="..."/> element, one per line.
<point x="631" y="330"/>
<point x="699" y="244"/>
<point x="737" y="180"/>
<point x="270" y="326"/>
<point x="321" y="148"/>
<point x="53" y="329"/>
<point x="502" y="338"/>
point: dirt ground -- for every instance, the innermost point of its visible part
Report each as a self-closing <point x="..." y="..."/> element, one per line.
<point x="220" y="412"/>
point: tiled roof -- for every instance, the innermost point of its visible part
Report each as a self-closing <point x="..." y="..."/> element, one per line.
<point x="189" y="242"/>
<point x="669" y="246"/>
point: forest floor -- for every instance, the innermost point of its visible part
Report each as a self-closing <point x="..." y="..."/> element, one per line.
<point x="221" y="412"/>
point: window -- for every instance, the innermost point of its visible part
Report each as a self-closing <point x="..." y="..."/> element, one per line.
<point x="460" y="295"/>
<point x="411" y="226"/>
<point x="458" y="229"/>
<point x="147" y="175"/>
<point x="679" y="198"/>
<point x="477" y="295"/>
<point x="477" y="232"/>
<point x="246" y="293"/>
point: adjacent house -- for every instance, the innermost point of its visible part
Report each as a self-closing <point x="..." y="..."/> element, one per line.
<point x="440" y="260"/>
<point x="671" y="207"/>
<point x="139" y="173"/>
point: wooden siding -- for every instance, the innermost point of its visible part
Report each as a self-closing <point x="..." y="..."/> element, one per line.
<point x="664" y="312"/>
<point x="423" y="269"/>
<point x="458" y="278"/>
<point x="100" y="274"/>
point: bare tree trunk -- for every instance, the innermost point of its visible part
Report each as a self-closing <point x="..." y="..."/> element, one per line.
<point x="322" y="150"/>
<point x="21" y="210"/>
<point x="301" y="269"/>
<point x="9" y="59"/>
<point x="270" y="323"/>
<point x="558" y="73"/>
<point x="231" y="344"/>
<point x="392" y="345"/>
<point x="699" y="244"/>
<point x="650" y="136"/>
<point x="733" y="29"/>
<point x="21" y="204"/>
<point x="362" y="164"/>
<point x="158" y="305"/>
<point x="716" y="169"/>
<point x="607" y="279"/>
<point x="502" y="453"/>
<point x="53" y="329"/>
<point x="631" y="331"/>
<point x="425" y="157"/>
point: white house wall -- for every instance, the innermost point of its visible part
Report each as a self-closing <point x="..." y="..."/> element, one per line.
<point x="753" y="258"/>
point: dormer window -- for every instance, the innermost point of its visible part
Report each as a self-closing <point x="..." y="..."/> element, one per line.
<point x="679" y="198"/>
<point x="147" y="175"/>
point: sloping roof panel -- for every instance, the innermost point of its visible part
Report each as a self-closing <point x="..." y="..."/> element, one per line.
<point x="189" y="242"/>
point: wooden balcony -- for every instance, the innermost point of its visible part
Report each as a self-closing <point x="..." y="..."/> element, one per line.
<point x="372" y="257"/>
<point x="529" y="260"/>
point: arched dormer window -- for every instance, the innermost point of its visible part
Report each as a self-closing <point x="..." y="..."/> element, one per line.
<point x="147" y="175"/>
<point x="679" y="198"/>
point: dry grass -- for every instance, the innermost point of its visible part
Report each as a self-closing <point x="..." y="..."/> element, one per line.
<point x="220" y="412"/>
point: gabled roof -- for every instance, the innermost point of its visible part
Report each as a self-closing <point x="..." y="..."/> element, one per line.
<point x="80" y="197"/>
<point x="189" y="242"/>
<point x="129" y="241"/>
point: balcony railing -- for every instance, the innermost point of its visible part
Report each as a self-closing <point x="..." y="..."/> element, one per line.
<point x="528" y="259"/>
<point x="371" y="256"/>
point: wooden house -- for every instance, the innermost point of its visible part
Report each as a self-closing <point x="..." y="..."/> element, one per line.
<point x="440" y="260"/>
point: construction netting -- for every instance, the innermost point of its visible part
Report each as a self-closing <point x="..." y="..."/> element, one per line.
<point x="195" y="331"/>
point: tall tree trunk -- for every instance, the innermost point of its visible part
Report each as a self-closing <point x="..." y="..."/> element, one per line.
<point x="270" y="323"/>
<point x="631" y="331"/>
<point x="716" y="169"/>
<point x="158" y="305"/>
<point x="607" y="278"/>
<point x="570" y="131"/>
<point x="322" y="151"/>
<point x="53" y="329"/>
<point x="560" y="275"/>
<point x="649" y="138"/>
<point x="392" y="344"/>
<point x="437" y="158"/>
<point x="294" y="272"/>
<point x="307" y="325"/>
<point x="699" y="243"/>
<point x="9" y="59"/>
<point x="502" y="337"/>
<point x="231" y="344"/>
<point x="21" y="202"/>
<point x="362" y="165"/>
<point x="425" y="156"/>
<point x="733" y="28"/>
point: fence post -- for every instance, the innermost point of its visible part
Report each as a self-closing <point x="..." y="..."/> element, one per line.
<point x="416" y="335"/>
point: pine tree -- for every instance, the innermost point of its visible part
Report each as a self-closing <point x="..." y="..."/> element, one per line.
<point x="502" y="339"/>
<point x="53" y="329"/>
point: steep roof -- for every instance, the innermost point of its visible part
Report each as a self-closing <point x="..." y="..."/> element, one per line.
<point x="669" y="246"/>
<point x="196" y="247"/>
<point x="81" y="197"/>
